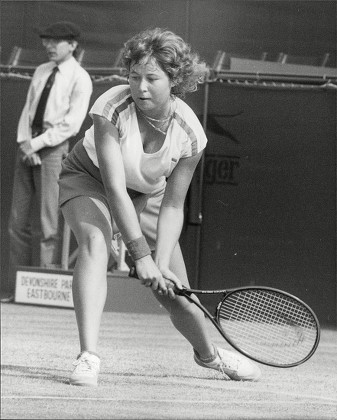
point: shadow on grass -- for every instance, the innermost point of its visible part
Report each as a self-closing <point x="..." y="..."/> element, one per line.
<point x="211" y="376"/>
<point x="34" y="373"/>
<point x="52" y="375"/>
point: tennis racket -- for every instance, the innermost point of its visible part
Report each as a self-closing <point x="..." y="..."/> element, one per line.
<point x="265" y="324"/>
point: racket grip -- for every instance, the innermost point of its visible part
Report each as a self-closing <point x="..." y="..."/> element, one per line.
<point x="133" y="272"/>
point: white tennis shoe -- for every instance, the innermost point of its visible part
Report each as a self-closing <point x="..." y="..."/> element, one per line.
<point x="235" y="366"/>
<point x="86" y="370"/>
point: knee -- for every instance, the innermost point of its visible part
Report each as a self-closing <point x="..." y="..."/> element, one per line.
<point x="94" y="244"/>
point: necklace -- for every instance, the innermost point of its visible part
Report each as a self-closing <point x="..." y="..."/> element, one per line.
<point x="154" y="119"/>
<point x="162" y="121"/>
<point x="156" y="128"/>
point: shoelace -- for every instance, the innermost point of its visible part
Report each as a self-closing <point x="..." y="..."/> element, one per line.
<point x="84" y="364"/>
<point x="232" y="364"/>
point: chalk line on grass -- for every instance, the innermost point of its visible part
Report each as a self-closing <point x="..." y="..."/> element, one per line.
<point x="324" y="400"/>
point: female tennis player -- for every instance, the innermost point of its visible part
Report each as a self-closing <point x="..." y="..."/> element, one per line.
<point x="139" y="155"/>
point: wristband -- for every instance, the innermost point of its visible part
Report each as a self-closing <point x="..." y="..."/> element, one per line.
<point x="138" y="248"/>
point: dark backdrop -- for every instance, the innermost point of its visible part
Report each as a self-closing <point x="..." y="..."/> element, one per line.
<point x="306" y="28"/>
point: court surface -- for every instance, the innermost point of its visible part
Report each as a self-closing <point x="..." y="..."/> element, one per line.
<point x="148" y="372"/>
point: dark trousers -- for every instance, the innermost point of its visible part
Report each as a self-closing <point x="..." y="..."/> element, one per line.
<point x="34" y="222"/>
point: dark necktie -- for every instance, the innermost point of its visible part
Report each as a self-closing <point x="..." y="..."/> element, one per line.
<point x="41" y="107"/>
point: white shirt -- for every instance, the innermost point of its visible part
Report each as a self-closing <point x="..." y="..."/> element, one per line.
<point x="146" y="172"/>
<point x="66" y="108"/>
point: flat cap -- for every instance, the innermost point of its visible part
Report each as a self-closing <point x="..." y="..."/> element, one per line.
<point x="61" y="30"/>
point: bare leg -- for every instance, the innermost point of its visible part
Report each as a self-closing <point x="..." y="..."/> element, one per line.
<point x="185" y="316"/>
<point x="91" y="223"/>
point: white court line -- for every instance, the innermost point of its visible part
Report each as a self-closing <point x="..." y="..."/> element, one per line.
<point x="300" y="396"/>
<point x="327" y="401"/>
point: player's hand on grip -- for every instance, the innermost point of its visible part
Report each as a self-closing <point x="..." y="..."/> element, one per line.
<point x="149" y="275"/>
<point x="172" y="282"/>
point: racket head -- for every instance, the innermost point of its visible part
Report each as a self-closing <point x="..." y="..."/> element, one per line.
<point x="269" y="326"/>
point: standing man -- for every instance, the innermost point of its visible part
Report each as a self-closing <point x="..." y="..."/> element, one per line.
<point x="56" y="106"/>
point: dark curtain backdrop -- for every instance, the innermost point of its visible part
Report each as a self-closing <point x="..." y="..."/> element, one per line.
<point x="295" y="27"/>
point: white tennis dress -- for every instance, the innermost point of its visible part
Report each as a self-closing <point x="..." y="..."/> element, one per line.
<point x="146" y="172"/>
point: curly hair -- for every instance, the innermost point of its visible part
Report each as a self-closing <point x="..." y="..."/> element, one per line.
<point x="173" y="55"/>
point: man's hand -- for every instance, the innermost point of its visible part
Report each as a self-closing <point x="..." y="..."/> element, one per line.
<point x="27" y="154"/>
<point x="31" y="160"/>
<point x="26" y="148"/>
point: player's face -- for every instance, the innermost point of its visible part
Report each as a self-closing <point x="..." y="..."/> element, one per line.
<point x="59" y="50"/>
<point x="150" y="88"/>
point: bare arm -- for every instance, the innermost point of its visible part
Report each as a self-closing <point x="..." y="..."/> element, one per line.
<point x="123" y="211"/>
<point x="171" y="215"/>
<point x="112" y="171"/>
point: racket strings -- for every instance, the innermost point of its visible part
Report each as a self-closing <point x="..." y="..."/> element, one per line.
<point x="263" y="308"/>
<point x="271" y="327"/>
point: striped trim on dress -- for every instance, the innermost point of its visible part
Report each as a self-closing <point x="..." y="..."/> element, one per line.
<point x="190" y="133"/>
<point x="120" y="108"/>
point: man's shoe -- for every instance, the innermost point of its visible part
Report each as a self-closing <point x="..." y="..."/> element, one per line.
<point x="235" y="366"/>
<point x="7" y="297"/>
<point x="86" y="370"/>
